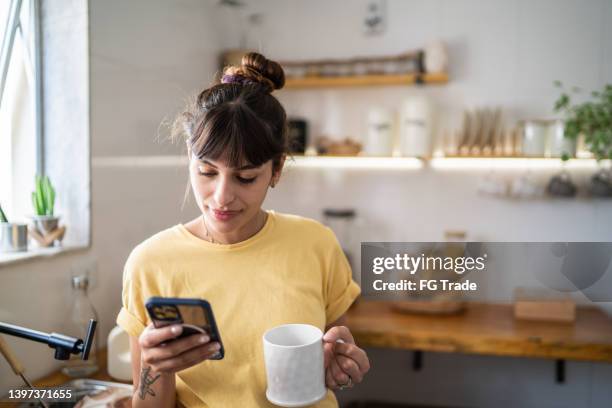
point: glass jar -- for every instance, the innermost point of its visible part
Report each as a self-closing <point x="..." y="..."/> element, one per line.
<point x="341" y="221"/>
<point x="76" y="326"/>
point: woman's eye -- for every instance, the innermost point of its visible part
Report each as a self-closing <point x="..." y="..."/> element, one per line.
<point x="245" y="180"/>
<point x="206" y="173"/>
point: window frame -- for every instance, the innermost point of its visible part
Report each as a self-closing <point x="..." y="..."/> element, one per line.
<point x="33" y="46"/>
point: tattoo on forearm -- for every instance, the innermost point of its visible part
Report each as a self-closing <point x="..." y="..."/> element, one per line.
<point x="146" y="380"/>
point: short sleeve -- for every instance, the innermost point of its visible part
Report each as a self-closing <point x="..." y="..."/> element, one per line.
<point x="132" y="316"/>
<point x="341" y="289"/>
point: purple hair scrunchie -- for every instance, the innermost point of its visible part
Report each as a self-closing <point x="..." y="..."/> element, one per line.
<point x="236" y="79"/>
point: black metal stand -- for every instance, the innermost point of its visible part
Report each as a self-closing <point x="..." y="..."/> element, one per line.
<point x="63" y="345"/>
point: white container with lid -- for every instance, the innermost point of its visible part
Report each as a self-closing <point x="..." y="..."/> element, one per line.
<point x="119" y="357"/>
<point x="415" y="127"/>
<point x="558" y="144"/>
<point x="535" y="133"/>
<point x="379" y="140"/>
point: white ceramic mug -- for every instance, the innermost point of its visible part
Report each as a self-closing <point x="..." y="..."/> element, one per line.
<point x="295" y="370"/>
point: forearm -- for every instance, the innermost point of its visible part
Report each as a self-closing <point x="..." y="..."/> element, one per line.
<point x="154" y="390"/>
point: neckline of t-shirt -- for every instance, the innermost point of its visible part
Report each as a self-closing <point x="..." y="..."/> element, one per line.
<point x="258" y="236"/>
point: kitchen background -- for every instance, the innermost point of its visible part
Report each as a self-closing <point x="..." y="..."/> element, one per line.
<point x="148" y="56"/>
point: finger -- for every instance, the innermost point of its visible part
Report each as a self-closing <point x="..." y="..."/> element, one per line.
<point x="206" y="355"/>
<point x="188" y="358"/>
<point x="328" y="353"/>
<point x="355" y="353"/>
<point x="339" y="333"/>
<point x="176" y="347"/>
<point x="329" y="380"/>
<point x="340" y="377"/>
<point x="151" y="336"/>
<point x="350" y="367"/>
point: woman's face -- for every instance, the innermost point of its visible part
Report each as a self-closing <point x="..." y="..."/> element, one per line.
<point x="230" y="198"/>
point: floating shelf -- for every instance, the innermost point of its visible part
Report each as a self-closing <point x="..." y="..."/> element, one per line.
<point x="438" y="163"/>
<point x="364" y="80"/>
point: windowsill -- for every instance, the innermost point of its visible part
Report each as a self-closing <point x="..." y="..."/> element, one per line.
<point x="14" y="257"/>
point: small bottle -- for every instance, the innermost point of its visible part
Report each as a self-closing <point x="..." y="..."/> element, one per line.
<point x="81" y="312"/>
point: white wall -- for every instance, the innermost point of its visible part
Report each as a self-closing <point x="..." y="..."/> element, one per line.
<point x="132" y="88"/>
<point x="147" y="56"/>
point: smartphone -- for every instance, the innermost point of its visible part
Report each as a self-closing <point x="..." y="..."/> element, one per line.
<point x="195" y="315"/>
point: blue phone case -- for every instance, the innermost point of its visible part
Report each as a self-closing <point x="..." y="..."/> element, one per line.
<point x="195" y="315"/>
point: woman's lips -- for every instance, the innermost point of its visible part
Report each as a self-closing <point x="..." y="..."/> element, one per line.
<point x="224" y="215"/>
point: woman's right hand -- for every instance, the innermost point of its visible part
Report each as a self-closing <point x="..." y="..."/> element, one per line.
<point x="173" y="355"/>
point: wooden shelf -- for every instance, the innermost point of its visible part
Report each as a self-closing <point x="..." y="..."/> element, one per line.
<point x="438" y="163"/>
<point x="484" y="329"/>
<point x="363" y="80"/>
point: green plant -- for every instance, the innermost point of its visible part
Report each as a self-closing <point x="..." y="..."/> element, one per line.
<point x="43" y="198"/>
<point x="2" y="215"/>
<point x="592" y="118"/>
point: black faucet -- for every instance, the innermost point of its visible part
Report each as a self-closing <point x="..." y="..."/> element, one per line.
<point x="63" y="345"/>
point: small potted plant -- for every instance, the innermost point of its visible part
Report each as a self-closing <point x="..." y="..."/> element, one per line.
<point x="593" y="120"/>
<point x="43" y="201"/>
<point x="13" y="236"/>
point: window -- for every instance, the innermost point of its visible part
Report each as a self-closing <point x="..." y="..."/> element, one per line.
<point x="20" y="106"/>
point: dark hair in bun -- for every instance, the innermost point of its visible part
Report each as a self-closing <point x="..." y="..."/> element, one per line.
<point x="238" y="120"/>
<point x="255" y="68"/>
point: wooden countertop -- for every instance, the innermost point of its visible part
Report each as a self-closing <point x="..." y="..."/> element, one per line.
<point x="484" y="329"/>
<point x="57" y="378"/>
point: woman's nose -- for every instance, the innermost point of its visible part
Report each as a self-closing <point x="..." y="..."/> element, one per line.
<point x="223" y="194"/>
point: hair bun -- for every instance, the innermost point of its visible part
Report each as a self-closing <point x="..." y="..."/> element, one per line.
<point x="256" y="68"/>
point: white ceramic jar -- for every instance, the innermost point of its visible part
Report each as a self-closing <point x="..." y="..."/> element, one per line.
<point x="379" y="141"/>
<point x="558" y="144"/>
<point x="415" y="127"/>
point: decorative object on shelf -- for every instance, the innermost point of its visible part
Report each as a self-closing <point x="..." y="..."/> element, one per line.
<point x="406" y="63"/>
<point x="593" y="120"/>
<point x="298" y="135"/>
<point x="415" y="127"/>
<point x="13" y="236"/>
<point x="482" y="134"/>
<point x="561" y="185"/>
<point x="436" y="57"/>
<point x="375" y="17"/>
<point x="379" y="140"/>
<point x="545" y="138"/>
<point x="558" y="145"/>
<point x="345" y="147"/>
<point x="3" y="216"/>
<point x="543" y="305"/>
<point x="525" y="187"/>
<point x="45" y="230"/>
<point x="534" y="137"/>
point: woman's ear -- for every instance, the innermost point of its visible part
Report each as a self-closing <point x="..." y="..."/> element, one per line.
<point x="277" y="170"/>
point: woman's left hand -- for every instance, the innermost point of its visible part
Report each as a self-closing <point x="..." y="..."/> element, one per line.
<point x="345" y="363"/>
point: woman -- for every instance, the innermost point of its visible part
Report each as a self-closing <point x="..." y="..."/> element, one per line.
<point x="258" y="269"/>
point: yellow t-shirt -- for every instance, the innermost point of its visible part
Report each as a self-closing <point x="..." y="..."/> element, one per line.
<point x="292" y="271"/>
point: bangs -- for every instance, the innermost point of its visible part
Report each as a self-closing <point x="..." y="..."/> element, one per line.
<point x="233" y="133"/>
